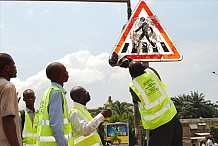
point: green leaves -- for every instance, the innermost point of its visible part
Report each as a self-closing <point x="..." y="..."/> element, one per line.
<point x="194" y="106"/>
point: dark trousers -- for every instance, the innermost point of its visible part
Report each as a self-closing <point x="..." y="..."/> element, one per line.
<point x="169" y="134"/>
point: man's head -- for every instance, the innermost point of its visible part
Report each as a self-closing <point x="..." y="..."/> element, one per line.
<point x="80" y="95"/>
<point x="57" y="72"/>
<point x="136" y="68"/>
<point x="29" y="98"/>
<point x="7" y="66"/>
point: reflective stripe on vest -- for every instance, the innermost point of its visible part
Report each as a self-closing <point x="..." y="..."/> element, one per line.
<point x="149" y="104"/>
<point x="24" y="144"/>
<point x="46" y="122"/>
<point x="157" y="114"/>
<point x="155" y="106"/>
<point x="51" y="138"/>
<point x="81" y="138"/>
<point x="92" y="139"/>
<point x="44" y="132"/>
<point x="29" y="133"/>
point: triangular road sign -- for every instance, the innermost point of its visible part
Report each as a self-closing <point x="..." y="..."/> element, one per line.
<point x="145" y="39"/>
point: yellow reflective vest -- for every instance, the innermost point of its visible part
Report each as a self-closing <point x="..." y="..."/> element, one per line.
<point x="44" y="132"/>
<point x="29" y="133"/>
<point x="91" y="140"/>
<point x="155" y="106"/>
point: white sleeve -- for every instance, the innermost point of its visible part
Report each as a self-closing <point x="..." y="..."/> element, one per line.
<point x="82" y="126"/>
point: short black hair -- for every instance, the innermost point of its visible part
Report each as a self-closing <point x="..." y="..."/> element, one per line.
<point x="75" y="92"/>
<point x="136" y="68"/>
<point x="27" y="91"/>
<point x="53" y="70"/>
<point x="5" y="59"/>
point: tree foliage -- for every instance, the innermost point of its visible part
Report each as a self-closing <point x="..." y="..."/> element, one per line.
<point x="194" y="106"/>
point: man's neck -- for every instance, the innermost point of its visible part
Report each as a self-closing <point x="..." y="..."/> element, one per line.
<point x="5" y="77"/>
<point x="32" y="109"/>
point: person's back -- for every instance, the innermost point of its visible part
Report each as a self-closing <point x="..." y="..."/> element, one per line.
<point x="9" y="123"/>
<point x="158" y="113"/>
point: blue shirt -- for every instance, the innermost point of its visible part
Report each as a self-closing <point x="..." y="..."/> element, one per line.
<point x="55" y="110"/>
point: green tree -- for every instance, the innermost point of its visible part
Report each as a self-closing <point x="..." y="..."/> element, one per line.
<point x="121" y="111"/>
<point x="183" y="105"/>
<point x="194" y="106"/>
<point x="201" y="107"/>
<point x="95" y="112"/>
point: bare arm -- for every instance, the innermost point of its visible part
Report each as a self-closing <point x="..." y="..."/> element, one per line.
<point x="135" y="98"/>
<point x="10" y="130"/>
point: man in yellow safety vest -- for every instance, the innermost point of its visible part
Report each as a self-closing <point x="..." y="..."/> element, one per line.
<point x="29" y="119"/>
<point x="54" y="128"/>
<point x="83" y="125"/>
<point x="158" y="113"/>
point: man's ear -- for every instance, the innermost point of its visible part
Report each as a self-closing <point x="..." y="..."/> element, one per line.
<point x="59" y="75"/>
<point x="79" y="97"/>
<point x="7" y="67"/>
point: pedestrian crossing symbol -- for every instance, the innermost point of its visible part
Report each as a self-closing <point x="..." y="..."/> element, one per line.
<point x="145" y="39"/>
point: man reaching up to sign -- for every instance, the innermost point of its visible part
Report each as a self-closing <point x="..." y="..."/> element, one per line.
<point x="158" y="113"/>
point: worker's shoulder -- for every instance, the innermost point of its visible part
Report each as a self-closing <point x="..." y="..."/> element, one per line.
<point x="75" y="111"/>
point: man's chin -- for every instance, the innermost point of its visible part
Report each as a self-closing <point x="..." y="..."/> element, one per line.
<point x="14" y="76"/>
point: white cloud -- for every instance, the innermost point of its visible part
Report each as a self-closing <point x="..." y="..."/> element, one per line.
<point x="85" y="69"/>
<point x="93" y="72"/>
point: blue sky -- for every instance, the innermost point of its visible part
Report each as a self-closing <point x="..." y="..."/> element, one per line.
<point x="82" y="35"/>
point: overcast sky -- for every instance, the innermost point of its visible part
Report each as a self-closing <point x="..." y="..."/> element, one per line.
<point x="82" y="35"/>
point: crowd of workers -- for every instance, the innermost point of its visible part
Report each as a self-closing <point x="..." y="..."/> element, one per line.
<point x="54" y="125"/>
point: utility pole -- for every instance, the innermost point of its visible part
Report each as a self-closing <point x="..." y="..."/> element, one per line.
<point x="138" y="131"/>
